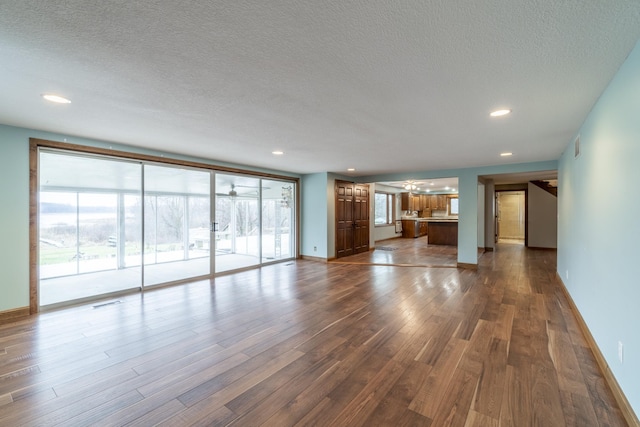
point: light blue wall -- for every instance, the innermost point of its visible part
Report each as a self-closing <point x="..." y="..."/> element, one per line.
<point x="314" y="215"/>
<point x="14" y="215"/>
<point x="599" y="224"/>
<point x="468" y="217"/>
<point x="14" y="219"/>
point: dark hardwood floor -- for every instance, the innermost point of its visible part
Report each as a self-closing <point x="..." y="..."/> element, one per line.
<point x="307" y="343"/>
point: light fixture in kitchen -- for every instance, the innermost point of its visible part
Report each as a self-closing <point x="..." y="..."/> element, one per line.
<point x="411" y="185"/>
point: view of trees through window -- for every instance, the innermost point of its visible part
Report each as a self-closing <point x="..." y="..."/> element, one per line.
<point x="147" y="224"/>
<point x="384" y="208"/>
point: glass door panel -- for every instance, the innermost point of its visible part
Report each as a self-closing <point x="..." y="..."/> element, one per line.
<point x="177" y="215"/>
<point x="237" y="236"/>
<point x="83" y="226"/>
<point x="278" y="206"/>
<point x="97" y="223"/>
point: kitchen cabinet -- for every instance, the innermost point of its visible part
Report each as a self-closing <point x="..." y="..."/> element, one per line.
<point x="404" y="202"/>
<point x="409" y="228"/>
<point x="424" y="202"/>
<point x="414" y="228"/>
<point x="443" y="233"/>
<point x="438" y="202"/>
<point x="409" y="202"/>
<point x="424" y="228"/>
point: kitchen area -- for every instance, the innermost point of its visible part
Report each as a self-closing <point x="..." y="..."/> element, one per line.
<point x="430" y="216"/>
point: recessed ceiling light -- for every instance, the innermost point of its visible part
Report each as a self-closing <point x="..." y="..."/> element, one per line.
<point x="277" y="153"/>
<point x="55" y="98"/>
<point x="431" y="183"/>
<point x="499" y="113"/>
<point x="507" y="154"/>
<point x="351" y="170"/>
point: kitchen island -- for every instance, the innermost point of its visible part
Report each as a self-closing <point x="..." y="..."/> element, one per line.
<point x="442" y="231"/>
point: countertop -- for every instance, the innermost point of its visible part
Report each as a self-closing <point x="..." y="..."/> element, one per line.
<point x="431" y="219"/>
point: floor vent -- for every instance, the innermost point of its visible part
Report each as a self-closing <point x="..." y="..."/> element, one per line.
<point x="107" y="303"/>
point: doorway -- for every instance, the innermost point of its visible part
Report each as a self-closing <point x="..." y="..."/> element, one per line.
<point x="352" y="218"/>
<point x="511" y="217"/>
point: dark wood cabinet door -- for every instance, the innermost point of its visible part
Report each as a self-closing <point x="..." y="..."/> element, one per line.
<point x="404" y="201"/>
<point x="352" y="218"/>
<point x="344" y="218"/>
<point x="361" y="218"/>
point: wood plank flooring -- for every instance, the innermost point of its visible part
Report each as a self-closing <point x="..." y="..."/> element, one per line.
<point x="312" y="344"/>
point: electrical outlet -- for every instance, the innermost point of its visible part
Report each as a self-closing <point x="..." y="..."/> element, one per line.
<point x="315" y="248"/>
<point x="567" y="274"/>
<point x="621" y="352"/>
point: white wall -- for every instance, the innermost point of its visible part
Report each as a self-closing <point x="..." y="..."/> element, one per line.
<point x="543" y="218"/>
<point x="599" y="227"/>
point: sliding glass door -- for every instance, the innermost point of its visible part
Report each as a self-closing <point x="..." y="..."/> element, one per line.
<point x="177" y="222"/>
<point x="90" y="235"/>
<point x="278" y="220"/>
<point x="108" y="225"/>
<point x="237" y="224"/>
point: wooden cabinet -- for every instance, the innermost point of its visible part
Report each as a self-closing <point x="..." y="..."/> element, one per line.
<point x="442" y="202"/>
<point x="425" y="202"/>
<point x="438" y="202"/>
<point x="409" y="228"/>
<point x="424" y="227"/>
<point x="443" y="233"/>
<point x="409" y="202"/>
<point x="414" y="228"/>
<point x="404" y="202"/>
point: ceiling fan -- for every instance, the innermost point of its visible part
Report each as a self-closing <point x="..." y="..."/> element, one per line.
<point x="411" y="185"/>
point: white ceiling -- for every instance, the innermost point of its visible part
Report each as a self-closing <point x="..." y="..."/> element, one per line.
<point x="381" y="86"/>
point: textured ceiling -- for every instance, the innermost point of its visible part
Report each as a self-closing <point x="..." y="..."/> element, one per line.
<point x="381" y="86"/>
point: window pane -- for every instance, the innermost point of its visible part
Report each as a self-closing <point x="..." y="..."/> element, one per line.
<point x="89" y="226"/>
<point x="454" y="207"/>
<point x="177" y="230"/>
<point x="277" y="219"/>
<point x="237" y="239"/>
<point x="380" y="210"/>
